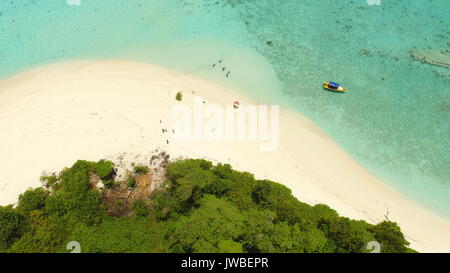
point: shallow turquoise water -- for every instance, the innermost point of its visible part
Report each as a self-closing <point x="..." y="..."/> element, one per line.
<point x="395" y="120"/>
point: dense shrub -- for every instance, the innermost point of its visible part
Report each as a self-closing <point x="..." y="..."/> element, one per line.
<point x="141" y="170"/>
<point x="104" y="169"/>
<point x="32" y="200"/>
<point x="74" y="197"/>
<point x="200" y="208"/>
<point x="390" y="236"/>
<point x="120" y="235"/>
<point x="12" y="226"/>
<point x="140" y="208"/>
<point x="179" y="96"/>
<point x="108" y="183"/>
<point x="50" y="181"/>
<point x="131" y="182"/>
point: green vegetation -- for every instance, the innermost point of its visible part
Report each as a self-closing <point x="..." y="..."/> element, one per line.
<point x="131" y="182"/>
<point x="140" y="208"/>
<point x="32" y="200"/>
<point x="104" y="169"/>
<point x="12" y="226"/>
<point x="141" y="170"/>
<point x="49" y="181"/>
<point x="108" y="183"/>
<point x="179" y="96"/>
<point x="200" y="208"/>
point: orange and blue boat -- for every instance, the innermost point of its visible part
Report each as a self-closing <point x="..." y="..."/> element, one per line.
<point x="335" y="87"/>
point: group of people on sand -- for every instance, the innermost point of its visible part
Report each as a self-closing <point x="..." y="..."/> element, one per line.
<point x="236" y="104"/>
<point x="164" y="131"/>
<point x="220" y="62"/>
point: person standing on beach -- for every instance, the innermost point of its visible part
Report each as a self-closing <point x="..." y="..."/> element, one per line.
<point x="220" y="61"/>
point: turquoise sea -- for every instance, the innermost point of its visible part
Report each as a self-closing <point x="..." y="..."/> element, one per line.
<point x="395" y="121"/>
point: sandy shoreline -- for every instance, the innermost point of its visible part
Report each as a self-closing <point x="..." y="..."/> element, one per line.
<point x="56" y="114"/>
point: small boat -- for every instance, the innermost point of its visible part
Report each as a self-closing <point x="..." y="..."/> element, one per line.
<point x="335" y="87"/>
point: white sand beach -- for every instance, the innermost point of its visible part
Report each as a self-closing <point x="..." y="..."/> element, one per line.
<point x="54" y="115"/>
